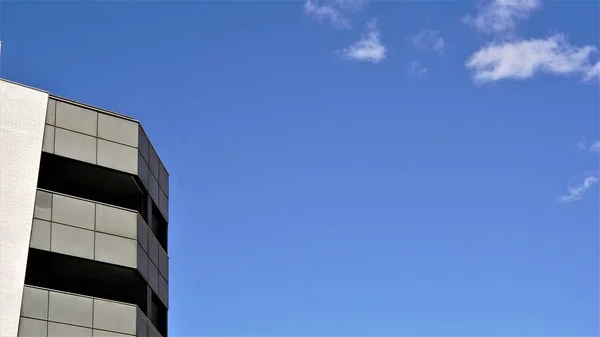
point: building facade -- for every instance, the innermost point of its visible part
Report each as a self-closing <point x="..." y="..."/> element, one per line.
<point x="84" y="209"/>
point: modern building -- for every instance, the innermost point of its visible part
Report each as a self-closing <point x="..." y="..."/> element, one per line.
<point x="84" y="207"/>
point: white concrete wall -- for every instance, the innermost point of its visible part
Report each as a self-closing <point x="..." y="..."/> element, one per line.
<point x="22" y="115"/>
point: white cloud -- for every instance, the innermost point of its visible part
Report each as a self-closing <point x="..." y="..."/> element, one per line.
<point x="593" y="72"/>
<point x="417" y="69"/>
<point x="525" y="58"/>
<point x="349" y="4"/>
<point x="369" y="47"/>
<point x="501" y="16"/>
<point x="595" y="147"/>
<point x="334" y="11"/>
<point x="575" y="192"/>
<point x="425" y="39"/>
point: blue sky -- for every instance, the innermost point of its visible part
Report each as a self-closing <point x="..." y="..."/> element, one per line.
<point x="350" y="168"/>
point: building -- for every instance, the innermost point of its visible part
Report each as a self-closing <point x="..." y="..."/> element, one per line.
<point x="84" y="206"/>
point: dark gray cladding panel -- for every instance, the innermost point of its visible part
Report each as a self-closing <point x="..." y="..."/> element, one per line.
<point x="72" y="241"/>
<point x="117" y="156"/>
<point x="35" y="303"/>
<point x="116" y="250"/>
<point x="115" y="317"/>
<point x="76" y="118"/>
<point x="40" y="234"/>
<point x="51" y="112"/>
<point x="163" y="178"/>
<point x="75" y="145"/>
<point x="70" y="309"/>
<point x="66" y="330"/>
<point x="32" y="327"/>
<point x="118" y="130"/>
<point x="143" y="144"/>
<point x="153" y="162"/>
<point x="48" y="143"/>
<point x="73" y="211"/>
<point x="43" y="205"/>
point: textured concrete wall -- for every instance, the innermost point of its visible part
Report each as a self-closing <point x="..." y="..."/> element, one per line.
<point x="22" y="116"/>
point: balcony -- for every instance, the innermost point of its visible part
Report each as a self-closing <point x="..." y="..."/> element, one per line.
<point x="113" y="147"/>
<point x="95" y="231"/>
<point x="51" y="313"/>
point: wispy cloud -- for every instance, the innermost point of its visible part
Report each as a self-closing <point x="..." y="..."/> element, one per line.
<point x="334" y="11"/>
<point x="501" y="16"/>
<point x="575" y="192"/>
<point x="429" y="39"/>
<point x="350" y="4"/>
<point x="593" y="146"/>
<point x="369" y="47"/>
<point x="523" y="59"/>
<point x="593" y="73"/>
<point x="417" y="69"/>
